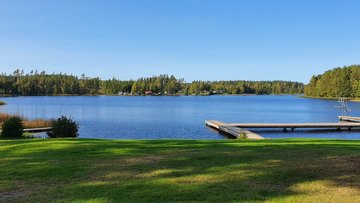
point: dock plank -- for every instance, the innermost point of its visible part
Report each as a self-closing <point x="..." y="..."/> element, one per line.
<point x="214" y="124"/>
<point x="233" y="131"/>
<point x="294" y="125"/>
<point x="236" y="132"/>
<point x="33" y="130"/>
<point x="349" y="118"/>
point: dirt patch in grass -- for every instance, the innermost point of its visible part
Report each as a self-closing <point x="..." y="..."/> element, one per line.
<point x="354" y="162"/>
<point x="347" y="170"/>
<point x="12" y="194"/>
<point x="15" y="192"/>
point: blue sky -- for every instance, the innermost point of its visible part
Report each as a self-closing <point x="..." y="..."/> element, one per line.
<point x="192" y="39"/>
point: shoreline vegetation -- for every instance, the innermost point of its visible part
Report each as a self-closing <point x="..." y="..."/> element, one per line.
<point x="280" y="170"/>
<point x="41" y="83"/>
<point x="330" y="98"/>
<point x="335" y="83"/>
<point x="35" y="123"/>
<point x="143" y="95"/>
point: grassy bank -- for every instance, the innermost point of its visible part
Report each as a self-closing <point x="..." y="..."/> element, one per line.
<point x="65" y="170"/>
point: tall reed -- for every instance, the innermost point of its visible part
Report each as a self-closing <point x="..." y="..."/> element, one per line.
<point x="4" y="116"/>
<point x="36" y="123"/>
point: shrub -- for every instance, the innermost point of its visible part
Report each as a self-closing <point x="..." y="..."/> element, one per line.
<point x="242" y="135"/>
<point x="63" y="127"/>
<point x="12" y="127"/>
<point x="2" y="103"/>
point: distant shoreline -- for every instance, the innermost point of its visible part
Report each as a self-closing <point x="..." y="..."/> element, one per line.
<point x="173" y="95"/>
<point x="330" y="98"/>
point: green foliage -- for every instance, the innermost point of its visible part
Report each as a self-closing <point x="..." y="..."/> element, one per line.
<point x="338" y="82"/>
<point x="64" y="127"/>
<point x="2" y="103"/>
<point x="12" y="127"/>
<point x="36" y="83"/>
<point x="161" y="85"/>
<point x="242" y="135"/>
<point x="245" y="87"/>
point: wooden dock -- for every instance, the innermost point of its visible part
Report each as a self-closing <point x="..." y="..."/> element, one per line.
<point x="292" y="126"/>
<point x="349" y="119"/>
<point x="236" y="129"/>
<point x="231" y="130"/>
<point x="37" y="130"/>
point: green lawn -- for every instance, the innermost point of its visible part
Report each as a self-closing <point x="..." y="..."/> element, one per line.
<point x="87" y="170"/>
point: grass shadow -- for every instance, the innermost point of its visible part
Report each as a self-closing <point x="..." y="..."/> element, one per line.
<point x="179" y="170"/>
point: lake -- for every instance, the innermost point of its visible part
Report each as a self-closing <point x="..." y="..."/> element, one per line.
<point x="179" y="117"/>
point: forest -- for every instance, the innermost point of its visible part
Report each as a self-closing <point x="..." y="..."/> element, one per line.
<point x="42" y="83"/>
<point x="338" y="82"/>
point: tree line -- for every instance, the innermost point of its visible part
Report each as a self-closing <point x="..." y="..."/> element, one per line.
<point x="42" y="83"/>
<point x="338" y="82"/>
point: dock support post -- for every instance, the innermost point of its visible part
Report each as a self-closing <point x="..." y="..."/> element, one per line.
<point x="292" y="129"/>
<point x="349" y="129"/>
<point x="284" y="130"/>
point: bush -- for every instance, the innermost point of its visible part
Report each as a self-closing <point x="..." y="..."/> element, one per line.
<point x="2" y="103"/>
<point x="242" y="135"/>
<point x="12" y="127"/>
<point x="63" y="127"/>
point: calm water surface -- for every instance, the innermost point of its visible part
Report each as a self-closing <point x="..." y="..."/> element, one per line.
<point x="178" y="117"/>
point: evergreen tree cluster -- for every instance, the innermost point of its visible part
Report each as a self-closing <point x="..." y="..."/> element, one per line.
<point x="35" y="83"/>
<point x="338" y="82"/>
<point x="245" y="87"/>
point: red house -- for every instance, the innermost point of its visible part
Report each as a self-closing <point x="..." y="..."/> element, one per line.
<point x="148" y="92"/>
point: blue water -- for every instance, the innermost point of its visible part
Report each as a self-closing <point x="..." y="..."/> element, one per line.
<point x="179" y="117"/>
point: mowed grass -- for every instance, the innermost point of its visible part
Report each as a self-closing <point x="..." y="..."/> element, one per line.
<point x="89" y="170"/>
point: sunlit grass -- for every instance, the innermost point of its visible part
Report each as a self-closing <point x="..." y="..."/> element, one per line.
<point x="88" y="170"/>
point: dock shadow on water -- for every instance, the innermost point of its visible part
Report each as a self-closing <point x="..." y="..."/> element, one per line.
<point x="163" y="171"/>
<point x="222" y="134"/>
